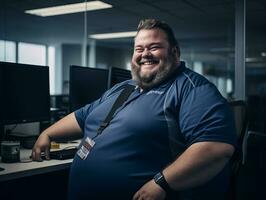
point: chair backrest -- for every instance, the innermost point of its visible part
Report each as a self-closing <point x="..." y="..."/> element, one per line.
<point x="248" y="163"/>
<point x="253" y="171"/>
<point x="239" y="109"/>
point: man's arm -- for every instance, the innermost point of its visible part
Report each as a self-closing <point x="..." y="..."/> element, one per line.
<point x="66" y="128"/>
<point x="196" y="166"/>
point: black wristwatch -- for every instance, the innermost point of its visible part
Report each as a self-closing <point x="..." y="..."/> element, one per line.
<point x="160" y="180"/>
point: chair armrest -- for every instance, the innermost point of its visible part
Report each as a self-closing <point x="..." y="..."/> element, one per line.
<point x="256" y="139"/>
<point x="253" y="142"/>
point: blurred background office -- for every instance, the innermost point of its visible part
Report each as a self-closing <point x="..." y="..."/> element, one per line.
<point x="224" y="40"/>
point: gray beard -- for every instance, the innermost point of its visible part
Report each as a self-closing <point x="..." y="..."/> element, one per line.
<point x="154" y="79"/>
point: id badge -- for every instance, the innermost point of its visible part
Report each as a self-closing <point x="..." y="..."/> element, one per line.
<point x="85" y="148"/>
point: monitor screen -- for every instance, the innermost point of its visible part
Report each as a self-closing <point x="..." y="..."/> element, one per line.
<point x="1" y="98"/>
<point x="117" y="75"/>
<point x="24" y="93"/>
<point x="86" y="85"/>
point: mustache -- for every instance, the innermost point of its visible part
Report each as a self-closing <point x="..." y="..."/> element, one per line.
<point x="152" y="60"/>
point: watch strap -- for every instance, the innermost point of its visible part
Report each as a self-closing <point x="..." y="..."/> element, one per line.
<point x="160" y="180"/>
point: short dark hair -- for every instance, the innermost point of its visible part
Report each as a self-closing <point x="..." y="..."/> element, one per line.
<point x="153" y="24"/>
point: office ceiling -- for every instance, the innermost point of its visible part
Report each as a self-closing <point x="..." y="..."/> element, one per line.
<point x="200" y="25"/>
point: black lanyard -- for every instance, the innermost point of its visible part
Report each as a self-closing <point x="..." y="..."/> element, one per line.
<point x="119" y="102"/>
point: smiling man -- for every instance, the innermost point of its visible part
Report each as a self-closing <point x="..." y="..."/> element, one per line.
<point x="172" y="137"/>
<point x="154" y="58"/>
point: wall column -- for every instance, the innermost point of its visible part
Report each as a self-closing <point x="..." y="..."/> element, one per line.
<point x="240" y="43"/>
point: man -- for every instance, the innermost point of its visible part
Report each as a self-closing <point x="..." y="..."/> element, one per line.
<point x="171" y="139"/>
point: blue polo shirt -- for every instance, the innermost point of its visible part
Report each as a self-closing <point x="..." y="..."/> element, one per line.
<point x="147" y="133"/>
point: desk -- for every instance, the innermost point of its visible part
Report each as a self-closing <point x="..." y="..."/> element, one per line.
<point x="28" y="168"/>
<point x="29" y="178"/>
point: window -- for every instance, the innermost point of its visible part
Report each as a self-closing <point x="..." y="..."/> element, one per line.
<point x="31" y="53"/>
<point x="51" y="64"/>
<point x="7" y="51"/>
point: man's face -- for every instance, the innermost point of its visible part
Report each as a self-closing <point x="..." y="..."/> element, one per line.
<point x="153" y="59"/>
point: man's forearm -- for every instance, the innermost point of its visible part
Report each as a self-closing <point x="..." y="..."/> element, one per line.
<point x="198" y="164"/>
<point x="66" y="128"/>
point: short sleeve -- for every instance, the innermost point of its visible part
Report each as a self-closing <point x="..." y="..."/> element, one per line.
<point x="82" y="113"/>
<point x="206" y="116"/>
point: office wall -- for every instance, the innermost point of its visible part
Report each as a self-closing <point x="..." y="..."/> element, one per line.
<point x="115" y="57"/>
<point x="71" y="55"/>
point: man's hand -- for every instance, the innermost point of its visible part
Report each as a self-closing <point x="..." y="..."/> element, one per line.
<point x="42" y="144"/>
<point x="150" y="191"/>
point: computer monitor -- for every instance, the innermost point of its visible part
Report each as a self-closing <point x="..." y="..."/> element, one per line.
<point x="117" y="75"/>
<point x="1" y="107"/>
<point x="86" y="85"/>
<point x="24" y="92"/>
<point x="1" y="99"/>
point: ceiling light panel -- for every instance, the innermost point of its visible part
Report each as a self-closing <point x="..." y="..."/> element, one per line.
<point x="113" y="35"/>
<point x="70" y="8"/>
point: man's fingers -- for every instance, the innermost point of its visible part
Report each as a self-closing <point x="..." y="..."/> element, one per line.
<point x="47" y="154"/>
<point x="32" y="155"/>
<point x="36" y="155"/>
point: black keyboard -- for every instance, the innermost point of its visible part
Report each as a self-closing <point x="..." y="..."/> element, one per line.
<point x="63" y="154"/>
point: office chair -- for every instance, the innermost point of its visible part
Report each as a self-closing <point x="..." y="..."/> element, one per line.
<point x="239" y="109"/>
<point x="248" y="178"/>
<point x="252" y="174"/>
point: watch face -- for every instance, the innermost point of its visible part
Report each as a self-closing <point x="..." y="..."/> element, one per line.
<point x="158" y="177"/>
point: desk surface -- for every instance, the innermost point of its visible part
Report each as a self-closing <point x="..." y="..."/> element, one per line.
<point x="28" y="168"/>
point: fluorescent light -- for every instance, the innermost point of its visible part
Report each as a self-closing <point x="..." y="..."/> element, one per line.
<point x="263" y="54"/>
<point x="70" y="8"/>
<point x="113" y="35"/>
<point x="253" y="59"/>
